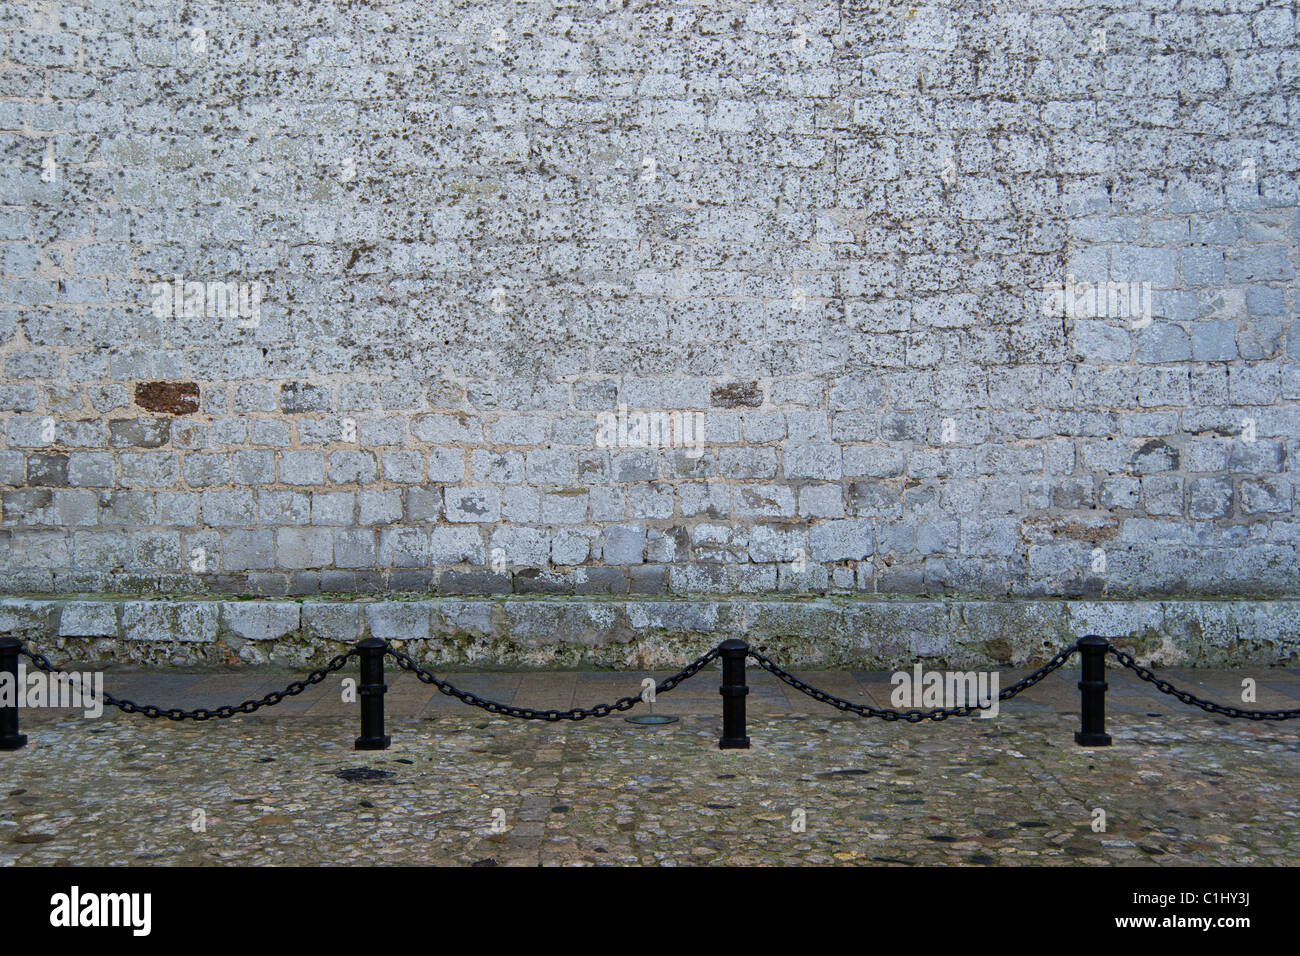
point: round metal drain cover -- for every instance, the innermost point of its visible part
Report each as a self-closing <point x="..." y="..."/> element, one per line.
<point x="651" y="719"/>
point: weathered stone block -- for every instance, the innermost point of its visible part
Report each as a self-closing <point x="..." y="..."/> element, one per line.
<point x="169" y="622"/>
<point x="259" y="620"/>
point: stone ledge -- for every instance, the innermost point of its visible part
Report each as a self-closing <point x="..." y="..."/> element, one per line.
<point x="868" y="633"/>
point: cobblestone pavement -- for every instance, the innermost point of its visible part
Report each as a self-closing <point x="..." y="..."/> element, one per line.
<point x="282" y="787"/>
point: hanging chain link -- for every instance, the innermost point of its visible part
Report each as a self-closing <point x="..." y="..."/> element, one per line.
<point x="405" y="662"/>
<point x="202" y="713"/>
<point x="915" y="715"/>
<point x="1165" y="687"/>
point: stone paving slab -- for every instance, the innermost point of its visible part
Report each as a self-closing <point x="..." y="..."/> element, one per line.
<point x="1179" y="788"/>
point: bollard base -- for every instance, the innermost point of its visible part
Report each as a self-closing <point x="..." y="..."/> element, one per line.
<point x="373" y="743"/>
<point x="733" y="743"/>
<point x="15" y="742"/>
<point x="1091" y="740"/>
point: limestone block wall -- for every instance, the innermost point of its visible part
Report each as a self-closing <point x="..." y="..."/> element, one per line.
<point x="618" y="301"/>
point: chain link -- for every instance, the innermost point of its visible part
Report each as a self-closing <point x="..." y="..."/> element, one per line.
<point x="405" y="662"/>
<point x="202" y="713"/>
<point x="911" y="716"/>
<point x="1225" y="710"/>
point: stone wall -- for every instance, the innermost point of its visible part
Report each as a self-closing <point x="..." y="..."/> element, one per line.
<point x="807" y="304"/>
<point x="479" y="632"/>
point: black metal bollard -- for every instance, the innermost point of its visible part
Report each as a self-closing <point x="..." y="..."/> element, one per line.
<point x="10" y="738"/>
<point x="733" y="691"/>
<point x="372" y="695"/>
<point x="1092" y="693"/>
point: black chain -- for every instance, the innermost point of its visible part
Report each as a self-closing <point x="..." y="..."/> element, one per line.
<point x="1188" y="698"/>
<point x="405" y="662"/>
<point x="202" y="713"/>
<point x="911" y="716"/>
